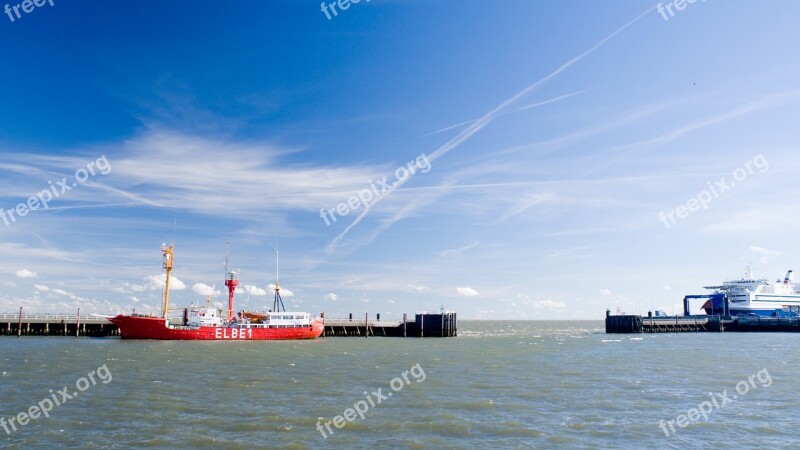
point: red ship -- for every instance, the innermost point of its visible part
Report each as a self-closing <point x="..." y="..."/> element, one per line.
<point x="207" y="323"/>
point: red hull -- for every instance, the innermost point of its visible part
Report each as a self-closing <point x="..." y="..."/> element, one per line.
<point x="155" y="328"/>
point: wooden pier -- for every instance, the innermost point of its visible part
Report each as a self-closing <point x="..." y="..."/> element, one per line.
<point x="423" y="325"/>
<point x="629" y="324"/>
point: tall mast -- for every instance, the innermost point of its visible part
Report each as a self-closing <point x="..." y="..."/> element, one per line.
<point x="231" y="280"/>
<point x="277" y="304"/>
<point x="169" y="254"/>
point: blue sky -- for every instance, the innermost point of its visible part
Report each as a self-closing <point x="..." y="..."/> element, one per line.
<point x="555" y="133"/>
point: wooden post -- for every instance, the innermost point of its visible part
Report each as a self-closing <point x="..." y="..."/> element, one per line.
<point x="19" y="328"/>
<point x="366" y="325"/>
<point x="78" y="323"/>
<point x="405" y="320"/>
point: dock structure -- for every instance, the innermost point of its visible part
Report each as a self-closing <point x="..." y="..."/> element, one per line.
<point x="55" y="325"/>
<point x="425" y="325"/>
<point x="631" y="324"/>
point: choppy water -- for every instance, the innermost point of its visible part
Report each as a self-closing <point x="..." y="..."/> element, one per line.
<point x="498" y="385"/>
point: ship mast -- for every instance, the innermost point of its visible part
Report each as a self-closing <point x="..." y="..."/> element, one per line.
<point x="277" y="304"/>
<point x="169" y="253"/>
<point x="231" y="280"/>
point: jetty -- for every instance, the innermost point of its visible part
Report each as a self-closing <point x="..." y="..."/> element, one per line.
<point x="443" y="324"/>
<point x="424" y="325"/>
<point x="629" y="324"/>
<point x="21" y="324"/>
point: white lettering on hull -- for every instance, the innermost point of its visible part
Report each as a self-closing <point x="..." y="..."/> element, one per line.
<point x="233" y="333"/>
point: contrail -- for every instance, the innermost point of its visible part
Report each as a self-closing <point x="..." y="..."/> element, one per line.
<point x="534" y="105"/>
<point x="487" y="118"/>
<point x="552" y="100"/>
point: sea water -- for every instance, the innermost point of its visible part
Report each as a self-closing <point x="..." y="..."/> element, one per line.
<point x="531" y="384"/>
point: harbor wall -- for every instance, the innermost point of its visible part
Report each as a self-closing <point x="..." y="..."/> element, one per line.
<point x="423" y="325"/>
<point x="634" y="324"/>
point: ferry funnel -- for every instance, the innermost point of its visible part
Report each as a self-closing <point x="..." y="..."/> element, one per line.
<point x="789" y="277"/>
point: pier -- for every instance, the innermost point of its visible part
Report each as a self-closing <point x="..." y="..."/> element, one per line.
<point x="75" y="325"/>
<point x="631" y="324"/>
<point x="424" y="325"/>
<point x="55" y="325"/>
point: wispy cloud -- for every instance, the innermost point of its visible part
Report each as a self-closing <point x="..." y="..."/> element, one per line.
<point x="752" y="106"/>
<point x="25" y="273"/>
<point x="524" y="108"/>
<point x="459" y="251"/>
<point x="487" y="118"/>
<point x="467" y="291"/>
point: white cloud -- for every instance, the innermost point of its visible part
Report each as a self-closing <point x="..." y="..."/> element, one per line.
<point x="41" y="287"/>
<point x="60" y="292"/>
<point x="666" y="288"/>
<point x="417" y="288"/>
<point x="459" y="251"/>
<point x="134" y="299"/>
<point x="762" y="254"/>
<point x="254" y="290"/>
<point x="204" y="289"/>
<point x="331" y="297"/>
<point x="284" y="292"/>
<point x="467" y="291"/>
<point x="548" y="304"/>
<point x="25" y="273"/>
<point x="156" y="283"/>
<point x="606" y="292"/>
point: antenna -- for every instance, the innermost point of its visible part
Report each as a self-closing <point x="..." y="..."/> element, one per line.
<point x="277" y="304"/>
<point x="227" y="251"/>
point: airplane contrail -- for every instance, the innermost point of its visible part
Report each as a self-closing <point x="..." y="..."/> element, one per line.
<point x="487" y="118"/>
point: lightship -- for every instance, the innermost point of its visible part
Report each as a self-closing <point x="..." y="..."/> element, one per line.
<point x="207" y="323"/>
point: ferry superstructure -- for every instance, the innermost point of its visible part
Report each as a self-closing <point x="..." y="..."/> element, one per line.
<point x="749" y="296"/>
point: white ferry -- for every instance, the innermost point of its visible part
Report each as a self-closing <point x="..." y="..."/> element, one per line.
<point x="750" y="296"/>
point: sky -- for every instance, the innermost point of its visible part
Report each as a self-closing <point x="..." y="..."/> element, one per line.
<point x="505" y="160"/>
